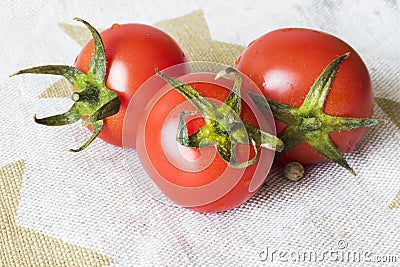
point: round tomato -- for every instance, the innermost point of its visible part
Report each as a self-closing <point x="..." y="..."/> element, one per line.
<point x="133" y="52"/>
<point x="107" y="73"/>
<point x="285" y="64"/>
<point x="198" y="177"/>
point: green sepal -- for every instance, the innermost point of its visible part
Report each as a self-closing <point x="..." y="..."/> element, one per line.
<point x="97" y="127"/>
<point x="202" y="104"/>
<point x="315" y="98"/>
<point x="98" y="64"/>
<point x="182" y="135"/>
<point x="69" y="117"/>
<point x="233" y="101"/>
<point x="72" y="74"/>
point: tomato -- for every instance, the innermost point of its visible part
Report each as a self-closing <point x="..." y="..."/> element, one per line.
<point x="285" y="64"/>
<point x="198" y="178"/>
<point x="107" y="73"/>
<point x="133" y="52"/>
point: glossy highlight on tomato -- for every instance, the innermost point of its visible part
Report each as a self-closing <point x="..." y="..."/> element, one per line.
<point x="285" y="64"/>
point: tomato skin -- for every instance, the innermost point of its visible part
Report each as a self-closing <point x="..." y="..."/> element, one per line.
<point x="133" y="52"/>
<point x="195" y="178"/>
<point x="285" y="64"/>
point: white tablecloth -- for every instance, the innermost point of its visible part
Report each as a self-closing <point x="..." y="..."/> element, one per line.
<point x="63" y="209"/>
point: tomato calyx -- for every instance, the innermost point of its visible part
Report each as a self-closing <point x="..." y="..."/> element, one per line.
<point x="92" y="98"/>
<point x="223" y="126"/>
<point x="309" y="123"/>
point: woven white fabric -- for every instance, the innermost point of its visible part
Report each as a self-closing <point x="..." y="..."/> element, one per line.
<point x="89" y="199"/>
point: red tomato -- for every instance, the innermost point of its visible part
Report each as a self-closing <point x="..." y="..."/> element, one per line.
<point x="285" y="63"/>
<point x="133" y="52"/>
<point x="197" y="178"/>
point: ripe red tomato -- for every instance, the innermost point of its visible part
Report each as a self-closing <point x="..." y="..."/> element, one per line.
<point x="107" y="73"/>
<point x="197" y="178"/>
<point x="133" y="52"/>
<point x="285" y="63"/>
